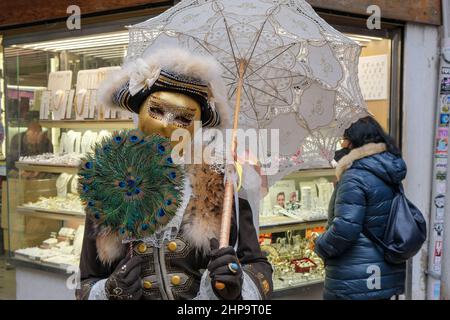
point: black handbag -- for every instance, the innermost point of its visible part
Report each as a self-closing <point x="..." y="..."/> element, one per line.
<point x="406" y="230"/>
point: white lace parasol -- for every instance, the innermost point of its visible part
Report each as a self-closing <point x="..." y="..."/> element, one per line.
<point x="300" y="75"/>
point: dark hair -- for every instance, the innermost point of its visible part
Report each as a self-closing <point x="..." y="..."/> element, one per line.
<point x="368" y="130"/>
<point x="281" y="194"/>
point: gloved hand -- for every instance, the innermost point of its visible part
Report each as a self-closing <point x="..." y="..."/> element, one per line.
<point x="225" y="272"/>
<point x="125" y="282"/>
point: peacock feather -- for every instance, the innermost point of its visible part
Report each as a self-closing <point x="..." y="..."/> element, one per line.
<point x="131" y="184"/>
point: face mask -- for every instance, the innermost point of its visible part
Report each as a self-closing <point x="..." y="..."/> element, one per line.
<point x="164" y="112"/>
<point x="339" y="154"/>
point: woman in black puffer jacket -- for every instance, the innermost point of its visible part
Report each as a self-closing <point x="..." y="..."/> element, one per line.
<point x="355" y="267"/>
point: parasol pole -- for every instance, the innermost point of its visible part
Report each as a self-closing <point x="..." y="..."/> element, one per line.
<point x="229" y="185"/>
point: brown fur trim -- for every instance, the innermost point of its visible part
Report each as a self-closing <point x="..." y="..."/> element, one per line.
<point x="201" y="221"/>
<point x="109" y="247"/>
<point x="365" y="151"/>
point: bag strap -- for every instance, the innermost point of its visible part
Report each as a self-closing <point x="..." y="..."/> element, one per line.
<point x="373" y="237"/>
<point x="398" y="188"/>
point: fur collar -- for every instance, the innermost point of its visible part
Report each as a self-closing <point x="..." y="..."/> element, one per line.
<point x="365" y="151"/>
<point x="202" y="217"/>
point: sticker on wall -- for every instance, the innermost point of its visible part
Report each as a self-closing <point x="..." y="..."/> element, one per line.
<point x="441" y="163"/>
<point x="441" y="175"/>
<point x="442" y="145"/>
<point x="441" y="187"/>
<point x="445" y="103"/>
<point x="439" y="228"/>
<point x="445" y="71"/>
<point x="443" y="133"/>
<point x="439" y="201"/>
<point x="437" y="290"/>
<point x="445" y="85"/>
<point x="438" y="249"/>
<point x="444" y="119"/>
<point x="440" y="214"/>
<point x="437" y="264"/>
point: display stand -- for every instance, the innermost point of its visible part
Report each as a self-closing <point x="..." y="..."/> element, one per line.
<point x="86" y="94"/>
<point x="103" y="111"/>
<point x="57" y="96"/>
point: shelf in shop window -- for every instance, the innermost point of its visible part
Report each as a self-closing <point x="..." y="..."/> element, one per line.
<point x="46" y="168"/>
<point x="312" y="173"/>
<point x="88" y="124"/>
<point x="19" y="260"/>
<point x="50" y="214"/>
<point x="294" y="288"/>
<point x="282" y="224"/>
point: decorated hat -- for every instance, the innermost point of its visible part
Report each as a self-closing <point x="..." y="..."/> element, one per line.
<point x="174" y="70"/>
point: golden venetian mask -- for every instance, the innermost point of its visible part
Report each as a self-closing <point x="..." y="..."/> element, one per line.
<point x="163" y="112"/>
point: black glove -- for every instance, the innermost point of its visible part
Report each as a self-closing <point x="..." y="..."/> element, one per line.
<point x="125" y="282"/>
<point x="222" y="262"/>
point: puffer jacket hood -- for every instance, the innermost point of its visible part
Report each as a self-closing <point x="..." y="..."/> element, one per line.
<point x="373" y="157"/>
<point x="386" y="166"/>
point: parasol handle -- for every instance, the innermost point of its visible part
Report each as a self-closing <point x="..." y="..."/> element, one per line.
<point x="229" y="186"/>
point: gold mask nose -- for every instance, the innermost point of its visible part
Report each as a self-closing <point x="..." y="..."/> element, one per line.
<point x="163" y="112"/>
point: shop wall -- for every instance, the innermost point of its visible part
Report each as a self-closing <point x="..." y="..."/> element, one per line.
<point x="422" y="11"/>
<point x="380" y="108"/>
<point x="29" y="11"/>
<point x="420" y="86"/>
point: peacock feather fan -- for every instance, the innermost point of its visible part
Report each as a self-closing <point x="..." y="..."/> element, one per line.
<point x="130" y="184"/>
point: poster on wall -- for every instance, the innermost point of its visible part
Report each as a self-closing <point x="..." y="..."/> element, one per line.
<point x="444" y="120"/>
<point x="442" y="146"/>
<point x="445" y="85"/>
<point x="280" y="194"/>
<point x="374" y="77"/>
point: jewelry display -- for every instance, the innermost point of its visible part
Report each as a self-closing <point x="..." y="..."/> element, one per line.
<point x="294" y="261"/>
<point x="307" y="198"/>
<point x="70" y="203"/>
<point x="57" y="100"/>
<point x="88" y="141"/>
<point x="72" y="146"/>
<point x="70" y="142"/>
<point x="80" y="103"/>
<point x="61" y="184"/>
<point x="44" y="109"/>
<point x="102" y="135"/>
<point x="70" y="102"/>
<point x="313" y="205"/>
<point x="49" y="243"/>
<point x="74" y="184"/>
<point x="92" y="103"/>
<point x="61" y="253"/>
<point x="70" y="160"/>
<point x="59" y="84"/>
<point x="104" y="112"/>
<point x="36" y="102"/>
<point x="125" y="115"/>
<point x="87" y="84"/>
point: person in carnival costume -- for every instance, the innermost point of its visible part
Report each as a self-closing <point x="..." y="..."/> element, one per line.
<point x="174" y="256"/>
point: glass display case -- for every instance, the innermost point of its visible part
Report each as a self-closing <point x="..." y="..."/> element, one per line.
<point x="53" y="119"/>
<point x="292" y="215"/>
